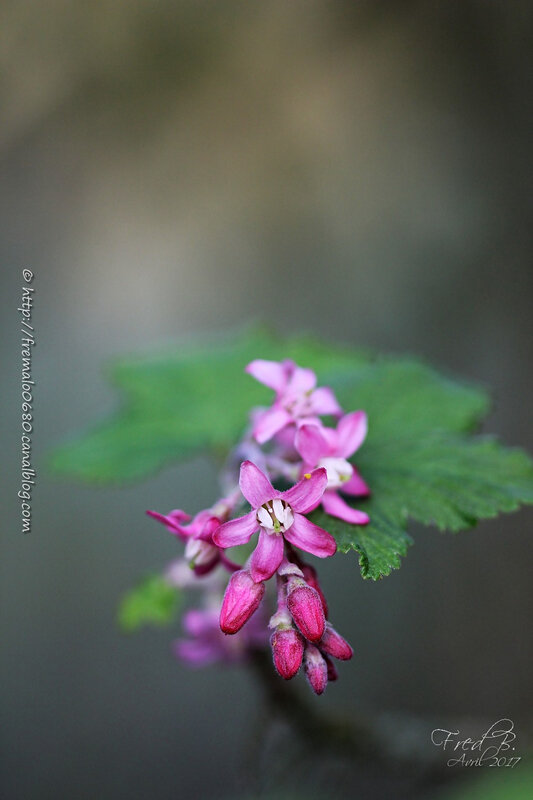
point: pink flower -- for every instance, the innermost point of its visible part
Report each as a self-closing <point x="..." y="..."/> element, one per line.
<point x="301" y="447"/>
<point x="200" y="551"/>
<point x="296" y="396"/>
<point x="277" y="516"/>
<point x="331" y="448"/>
<point x="241" y="599"/>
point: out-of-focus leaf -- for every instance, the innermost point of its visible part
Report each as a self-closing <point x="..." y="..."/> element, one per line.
<point x="152" y="602"/>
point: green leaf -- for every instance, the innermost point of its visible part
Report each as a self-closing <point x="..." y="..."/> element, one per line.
<point x="194" y="398"/>
<point x="153" y="602"/>
<point x="419" y="466"/>
<point x="404" y="394"/>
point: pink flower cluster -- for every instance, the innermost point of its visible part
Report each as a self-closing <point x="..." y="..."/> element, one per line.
<point x="287" y="443"/>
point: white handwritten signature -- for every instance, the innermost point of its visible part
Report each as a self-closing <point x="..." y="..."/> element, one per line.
<point x="493" y="748"/>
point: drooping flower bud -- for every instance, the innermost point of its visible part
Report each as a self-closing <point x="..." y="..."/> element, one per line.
<point x="241" y="599"/>
<point x="316" y="669"/>
<point x="287" y="651"/>
<point x="334" y="644"/>
<point x="332" y="669"/>
<point x="306" y="609"/>
<point x="311" y="577"/>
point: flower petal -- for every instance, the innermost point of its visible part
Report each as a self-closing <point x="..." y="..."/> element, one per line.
<point x="178" y="515"/>
<point x="306" y="494"/>
<point x="267" y="556"/>
<point x="255" y="485"/>
<point x="204" y="569"/>
<point x="309" y="537"/>
<point x="264" y="518"/>
<point x="236" y="531"/>
<point x="269" y="423"/>
<point x="205" y="526"/>
<point x="311" y="443"/>
<point x="301" y="381"/>
<point x="356" y="485"/>
<point x="171" y="522"/>
<point x="199" y="552"/>
<point x="351" y="430"/>
<point x="325" y="402"/>
<point x="333" y="504"/>
<point x="272" y="373"/>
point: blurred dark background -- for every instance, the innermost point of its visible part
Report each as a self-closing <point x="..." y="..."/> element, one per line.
<point x="356" y="169"/>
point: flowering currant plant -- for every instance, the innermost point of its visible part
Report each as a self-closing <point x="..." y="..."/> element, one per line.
<point x="323" y="450"/>
<point x="287" y="442"/>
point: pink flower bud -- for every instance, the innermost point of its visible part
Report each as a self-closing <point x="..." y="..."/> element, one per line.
<point x="287" y="650"/>
<point x="333" y="644"/>
<point x="311" y="578"/>
<point x="241" y="599"/>
<point x="316" y="669"/>
<point x="332" y="669"/>
<point x="306" y="609"/>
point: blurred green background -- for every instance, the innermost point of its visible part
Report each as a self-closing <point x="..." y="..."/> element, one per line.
<point x="356" y="169"/>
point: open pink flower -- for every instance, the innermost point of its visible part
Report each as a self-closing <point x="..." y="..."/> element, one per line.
<point x="200" y="551"/>
<point x="277" y="515"/>
<point x="297" y="397"/>
<point x="330" y="448"/>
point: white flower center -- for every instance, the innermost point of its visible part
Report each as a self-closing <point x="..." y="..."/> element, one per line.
<point x="338" y="471"/>
<point x="275" y="516"/>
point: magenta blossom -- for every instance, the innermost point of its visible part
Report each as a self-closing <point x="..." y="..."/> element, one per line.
<point x="200" y="551"/>
<point x="297" y="397"/>
<point x="331" y="448"/>
<point x="315" y="458"/>
<point x="277" y="516"/>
